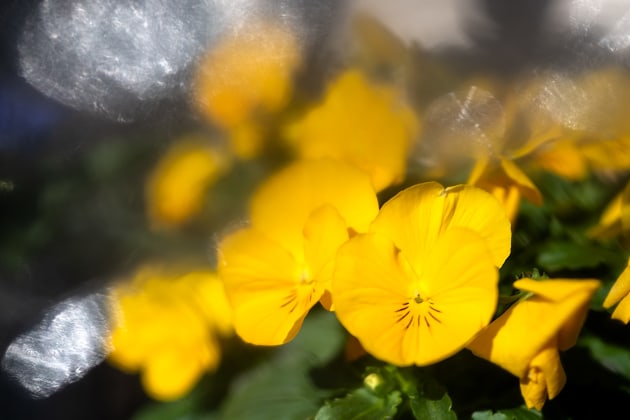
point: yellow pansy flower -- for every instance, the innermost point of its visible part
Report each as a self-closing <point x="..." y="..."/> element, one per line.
<point x="176" y="188"/>
<point x="167" y="328"/>
<point x="526" y="338"/>
<point x="245" y="78"/>
<point x="279" y="267"/>
<point x="360" y="122"/>
<point x="423" y="280"/>
<point x="619" y="295"/>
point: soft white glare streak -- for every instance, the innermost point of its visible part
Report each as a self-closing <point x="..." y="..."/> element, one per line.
<point x="605" y="23"/>
<point x="70" y="340"/>
<point x="108" y="56"/>
<point x="115" y="57"/>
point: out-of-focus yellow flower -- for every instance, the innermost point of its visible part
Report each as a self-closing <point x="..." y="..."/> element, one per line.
<point x="422" y="282"/>
<point x="608" y="155"/>
<point x="615" y="220"/>
<point x="525" y="340"/>
<point x="245" y="78"/>
<point x="619" y="295"/>
<point x="362" y="123"/>
<point x="590" y="110"/>
<point x="280" y="267"/>
<point x="506" y="181"/>
<point x="176" y="188"/>
<point x="472" y="124"/>
<point x="167" y="327"/>
<point x="562" y="157"/>
<point x="574" y="158"/>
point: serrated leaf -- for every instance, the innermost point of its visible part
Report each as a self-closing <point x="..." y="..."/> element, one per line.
<point x="430" y="402"/>
<point x="430" y="409"/>
<point x="361" y="404"/>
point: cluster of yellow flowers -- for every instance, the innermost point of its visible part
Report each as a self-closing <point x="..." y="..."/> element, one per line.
<point x="167" y="326"/>
<point x="415" y="279"/>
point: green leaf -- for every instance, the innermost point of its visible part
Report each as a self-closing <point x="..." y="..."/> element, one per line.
<point x="558" y="255"/>
<point x="283" y="384"/>
<point x="429" y="400"/>
<point x="361" y="404"/>
<point x="488" y="415"/>
<point x="273" y="388"/>
<point x="430" y="407"/>
<point x="518" y="413"/>
<point x="522" y="413"/>
<point x="319" y="340"/>
<point x="612" y="357"/>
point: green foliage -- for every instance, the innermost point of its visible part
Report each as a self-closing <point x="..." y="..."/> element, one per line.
<point x="388" y="392"/>
<point x="519" y="413"/>
<point x="361" y="404"/>
<point x="282" y="387"/>
<point x="561" y="254"/>
<point x="431" y="403"/>
<point x="613" y="357"/>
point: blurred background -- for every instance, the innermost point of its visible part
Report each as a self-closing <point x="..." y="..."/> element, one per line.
<point x="92" y="94"/>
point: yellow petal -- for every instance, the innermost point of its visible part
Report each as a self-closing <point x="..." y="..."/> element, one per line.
<point x="478" y="171"/>
<point x="170" y="373"/>
<point x="370" y="283"/>
<point x="415" y="217"/>
<point x="247" y="139"/>
<point x="209" y="293"/>
<point x="361" y="123"/>
<point x="609" y="224"/>
<point x="620" y="289"/>
<point x="460" y="279"/>
<point x="525" y="185"/>
<point x="243" y="75"/>
<point x="162" y="331"/>
<point x="562" y="157"/>
<point x="177" y="186"/>
<point x="545" y="378"/>
<point x="282" y="205"/>
<point x="608" y="155"/>
<point x="419" y="315"/>
<point x="622" y="311"/>
<point x="625" y="210"/>
<point x="475" y="209"/>
<point x="151" y="314"/>
<point x="266" y="286"/>
<point x="506" y="181"/>
<point x="324" y="232"/>
<point x="555" y="312"/>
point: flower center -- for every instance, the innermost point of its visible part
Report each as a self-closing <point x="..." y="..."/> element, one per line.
<point x="417" y="298"/>
<point x="422" y="313"/>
